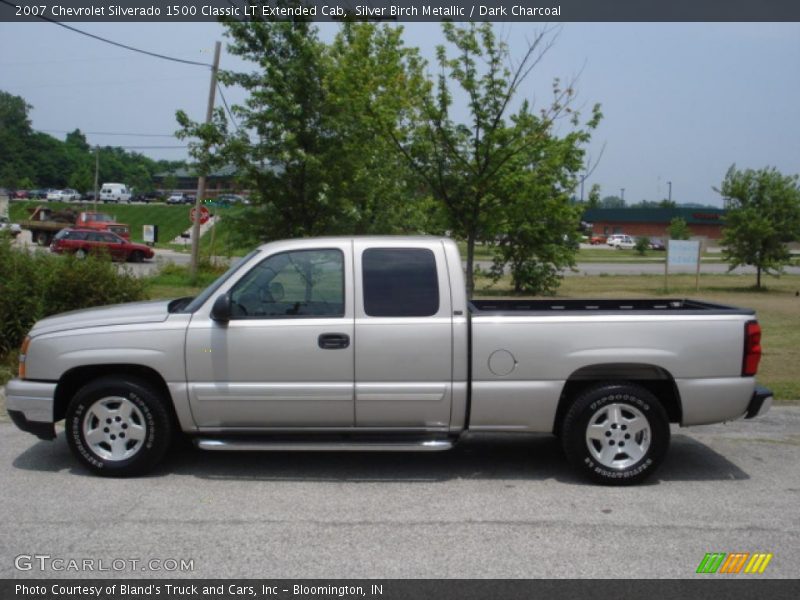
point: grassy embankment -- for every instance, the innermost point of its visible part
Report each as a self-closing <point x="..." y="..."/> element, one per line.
<point x="171" y="220"/>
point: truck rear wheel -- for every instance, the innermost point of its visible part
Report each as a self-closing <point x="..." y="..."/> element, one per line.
<point x="118" y="427"/>
<point x="616" y="433"/>
<point x="43" y="238"/>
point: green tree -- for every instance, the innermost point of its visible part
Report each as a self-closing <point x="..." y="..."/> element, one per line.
<point x="612" y="202"/>
<point x="468" y="165"/>
<point x="642" y="245"/>
<point x="539" y="222"/>
<point x="594" y="197"/>
<point x="82" y="179"/>
<point x="763" y="216"/>
<point x="678" y="229"/>
<point x="312" y="141"/>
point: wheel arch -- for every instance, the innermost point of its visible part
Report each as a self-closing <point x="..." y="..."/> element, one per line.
<point x="74" y="379"/>
<point x="653" y="378"/>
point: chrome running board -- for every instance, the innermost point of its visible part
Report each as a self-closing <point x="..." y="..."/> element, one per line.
<point x="304" y="445"/>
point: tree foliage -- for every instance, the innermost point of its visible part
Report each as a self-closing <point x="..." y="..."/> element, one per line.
<point x="474" y="169"/>
<point x="678" y="229"/>
<point x="29" y="158"/>
<point x="763" y="216"/>
<point x="354" y="137"/>
<point x="311" y="141"/>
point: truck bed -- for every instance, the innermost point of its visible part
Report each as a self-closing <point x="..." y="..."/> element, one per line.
<point x="685" y="306"/>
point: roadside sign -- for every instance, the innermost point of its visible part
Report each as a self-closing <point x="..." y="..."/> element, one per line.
<point x="683" y="253"/>
<point x="150" y="234"/>
<point x="203" y="215"/>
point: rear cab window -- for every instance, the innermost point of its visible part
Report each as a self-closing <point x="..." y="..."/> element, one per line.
<point x="400" y="282"/>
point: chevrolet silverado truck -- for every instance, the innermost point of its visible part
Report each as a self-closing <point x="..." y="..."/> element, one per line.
<point x="371" y="344"/>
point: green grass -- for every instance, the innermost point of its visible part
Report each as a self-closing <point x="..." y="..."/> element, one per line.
<point x="171" y="220"/>
<point x="174" y="281"/>
<point x="223" y="242"/>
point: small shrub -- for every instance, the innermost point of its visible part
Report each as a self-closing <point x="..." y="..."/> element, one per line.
<point x="642" y="245"/>
<point x="36" y="285"/>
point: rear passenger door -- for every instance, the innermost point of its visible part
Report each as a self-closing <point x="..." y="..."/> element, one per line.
<point x="403" y="333"/>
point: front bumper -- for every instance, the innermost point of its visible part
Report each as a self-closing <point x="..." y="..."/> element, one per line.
<point x="30" y="406"/>
<point x="760" y="402"/>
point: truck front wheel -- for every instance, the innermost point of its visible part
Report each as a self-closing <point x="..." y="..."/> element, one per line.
<point x="118" y="426"/>
<point x="616" y="433"/>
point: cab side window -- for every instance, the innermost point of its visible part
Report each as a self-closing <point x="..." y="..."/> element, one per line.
<point x="301" y="283"/>
<point x="400" y="282"/>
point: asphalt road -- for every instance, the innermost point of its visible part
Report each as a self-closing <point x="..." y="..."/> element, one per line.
<point x="493" y="507"/>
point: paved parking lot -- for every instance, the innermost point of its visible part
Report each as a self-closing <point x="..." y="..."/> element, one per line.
<point x="494" y="507"/>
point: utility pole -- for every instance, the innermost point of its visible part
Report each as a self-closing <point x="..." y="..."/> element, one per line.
<point x="583" y="178"/>
<point x="669" y="185"/>
<point x="201" y="183"/>
<point x="622" y="194"/>
<point x="96" y="174"/>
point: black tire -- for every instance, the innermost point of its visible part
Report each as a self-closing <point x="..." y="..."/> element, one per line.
<point x="81" y="253"/>
<point x="136" y="256"/>
<point x="616" y="411"/>
<point x="149" y="426"/>
<point x="43" y="238"/>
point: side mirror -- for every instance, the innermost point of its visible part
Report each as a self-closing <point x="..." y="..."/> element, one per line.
<point x="221" y="311"/>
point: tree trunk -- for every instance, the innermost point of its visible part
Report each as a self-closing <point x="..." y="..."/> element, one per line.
<point x="470" y="265"/>
<point x="758" y="277"/>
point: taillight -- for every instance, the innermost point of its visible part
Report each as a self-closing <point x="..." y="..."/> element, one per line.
<point x="752" y="348"/>
<point x="23" y="351"/>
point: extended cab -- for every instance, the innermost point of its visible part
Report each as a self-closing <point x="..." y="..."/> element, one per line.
<point x="371" y="344"/>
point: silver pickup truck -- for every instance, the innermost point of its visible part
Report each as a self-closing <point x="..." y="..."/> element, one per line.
<point x="370" y="344"/>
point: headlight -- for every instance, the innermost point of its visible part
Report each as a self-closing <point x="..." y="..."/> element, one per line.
<point x="23" y="351"/>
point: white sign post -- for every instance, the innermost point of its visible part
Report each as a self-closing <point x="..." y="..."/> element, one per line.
<point x="683" y="253"/>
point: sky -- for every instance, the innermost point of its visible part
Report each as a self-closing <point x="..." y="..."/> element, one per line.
<point x="681" y="102"/>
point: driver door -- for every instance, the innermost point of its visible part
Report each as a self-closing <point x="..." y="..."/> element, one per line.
<point x="285" y="358"/>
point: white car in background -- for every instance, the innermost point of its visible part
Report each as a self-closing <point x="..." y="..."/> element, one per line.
<point x="66" y="195"/>
<point x="13" y="228"/>
<point x="621" y="240"/>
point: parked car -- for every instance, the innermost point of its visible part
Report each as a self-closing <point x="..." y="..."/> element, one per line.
<point x="180" y="198"/>
<point x="66" y="195"/>
<point x="39" y="194"/>
<point x="147" y="197"/>
<point x="13" y="228"/>
<point x="20" y="195"/>
<point x="621" y="241"/>
<point x="81" y="242"/>
<point x="657" y="244"/>
<point x="382" y="351"/>
<point x="597" y="240"/>
<point x="225" y="200"/>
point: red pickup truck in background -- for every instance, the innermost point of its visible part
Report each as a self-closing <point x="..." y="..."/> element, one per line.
<point x="45" y="223"/>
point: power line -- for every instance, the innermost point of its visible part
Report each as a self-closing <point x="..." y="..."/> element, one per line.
<point x="227" y="108"/>
<point x="150" y="147"/>
<point x="113" y="43"/>
<point x="165" y="135"/>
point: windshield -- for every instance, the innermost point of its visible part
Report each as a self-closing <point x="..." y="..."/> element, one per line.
<point x="210" y="290"/>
